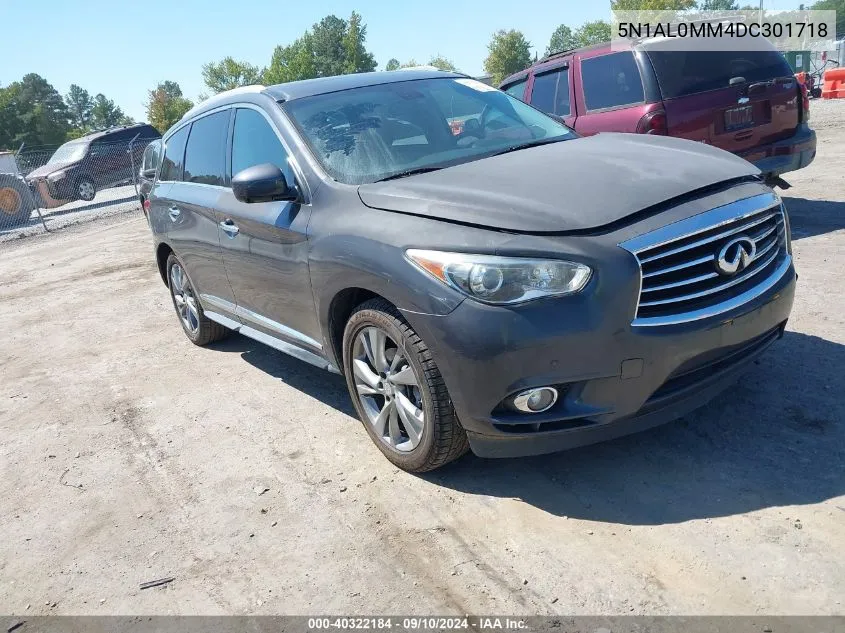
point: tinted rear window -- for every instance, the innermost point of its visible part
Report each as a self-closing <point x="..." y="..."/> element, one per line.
<point x="682" y="73"/>
<point x="174" y="155"/>
<point x="611" y="81"/>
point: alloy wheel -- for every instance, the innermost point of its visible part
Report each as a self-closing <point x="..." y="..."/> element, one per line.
<point x="183" y="298"/>
<point x="85" y="189"/>
<point x="388" y="388"/>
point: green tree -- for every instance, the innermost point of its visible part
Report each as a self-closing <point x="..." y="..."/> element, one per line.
<point x="438" y="61"/>
<point x="105" y="113"/>
<point x="392" y="64"/>
<point x="508" y="52"/>
<point x="332" y="46"/>
<point x="411" y="63"/>
<point x="358" y="59"/>
<point x="166" y="105"/>
<point x="292" y="62"/>
<point x="329" y="50"/>
<point x="563" y="39"/>
<point x="33" y="112"/>
<point x="651" y="5"/>
<point x="839" y="7"/>
<point x="594" y="32"/>
<point x="79" y="104"/>
<point x="229" y="73"/>
<point x="718" y="5"/>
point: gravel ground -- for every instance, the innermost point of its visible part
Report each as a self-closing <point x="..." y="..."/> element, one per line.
<point x="130" y="455"/>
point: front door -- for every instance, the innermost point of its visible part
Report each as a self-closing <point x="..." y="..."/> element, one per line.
<point x="265" y="245"/>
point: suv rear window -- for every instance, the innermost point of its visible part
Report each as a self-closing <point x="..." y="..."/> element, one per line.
<point x="681" y="73"/>
<point x="611" y="81"/>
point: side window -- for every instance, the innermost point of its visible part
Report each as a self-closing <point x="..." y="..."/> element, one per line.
<point x="517" y="90"/>
<point x="255" y="142"/>
<point x="611" y="81"/>
<point x="174" y="155"/>
<point x="551" y="92"/>
<point x="205" y="157"/>
<point x="152" y="156"/>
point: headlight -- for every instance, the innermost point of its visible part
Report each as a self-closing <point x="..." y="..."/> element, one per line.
<point x="502" y="280"/>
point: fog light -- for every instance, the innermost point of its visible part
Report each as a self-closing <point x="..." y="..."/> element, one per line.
<point x="535" y="400"/>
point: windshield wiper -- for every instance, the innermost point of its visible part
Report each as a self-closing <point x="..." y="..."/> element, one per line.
<point x="534" y="143"/>
<point x="409" y="172"/>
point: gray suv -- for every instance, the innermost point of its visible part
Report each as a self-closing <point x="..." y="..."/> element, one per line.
<point x="482" y="277"/>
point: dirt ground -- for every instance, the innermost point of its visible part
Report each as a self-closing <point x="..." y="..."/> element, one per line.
<point x="129" y="455"/>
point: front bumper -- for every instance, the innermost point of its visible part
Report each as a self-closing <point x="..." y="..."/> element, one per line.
<point x="780" y="157"/>
<point x="614" y="378"/>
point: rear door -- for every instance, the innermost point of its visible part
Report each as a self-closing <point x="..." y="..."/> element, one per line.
<point x="551" y="91"/>
<point x="265" y="244"/>
<point x="196" y="185"/>
<point x="734" y="100"/>
<point x="611" y="96"/>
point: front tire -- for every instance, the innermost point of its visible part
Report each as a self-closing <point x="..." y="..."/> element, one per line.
<point x="198" y="328"/>
<point x="398" y="391"/>
<point x="16" y="204"/>
<point x="85" y="189"/>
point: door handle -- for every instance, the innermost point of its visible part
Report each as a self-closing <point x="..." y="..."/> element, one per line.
<point x="174" y="213"/>
<point x="229" y="228"/>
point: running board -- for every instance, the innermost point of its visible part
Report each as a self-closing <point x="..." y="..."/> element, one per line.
<point x="283" y="346"/>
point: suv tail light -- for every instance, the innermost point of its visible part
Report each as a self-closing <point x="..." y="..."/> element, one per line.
<point x="146" y="206"/>
<point x="653" y="123"/>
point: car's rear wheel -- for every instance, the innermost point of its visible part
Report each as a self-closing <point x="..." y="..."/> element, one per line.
<point x="15" y="202"/>
<point x="198" y="328"/>
<point x="398" y="391"/>
<point x="85" y="189"/>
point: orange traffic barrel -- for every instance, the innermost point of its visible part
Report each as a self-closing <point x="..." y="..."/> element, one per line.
<point x="834" y="84"/>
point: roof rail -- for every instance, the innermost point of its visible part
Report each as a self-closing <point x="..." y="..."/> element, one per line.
<point x="202" y="105"/>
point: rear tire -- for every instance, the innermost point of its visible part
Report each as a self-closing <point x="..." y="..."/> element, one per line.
<point x="16" y="204"/>
<point x="409" y="381"/>
<point x="199" y="329"/>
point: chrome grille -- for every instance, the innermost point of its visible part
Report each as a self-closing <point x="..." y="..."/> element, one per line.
<point x="680" y="278"/>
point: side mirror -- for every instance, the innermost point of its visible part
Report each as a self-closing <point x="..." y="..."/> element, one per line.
<point x="262" y="183"/>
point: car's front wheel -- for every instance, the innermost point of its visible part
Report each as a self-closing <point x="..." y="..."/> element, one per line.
<point x="85" y="189"/>
<point x="398" y="391"/>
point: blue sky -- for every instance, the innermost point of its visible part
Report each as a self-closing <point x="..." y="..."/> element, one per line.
<point x="123" y="48"/>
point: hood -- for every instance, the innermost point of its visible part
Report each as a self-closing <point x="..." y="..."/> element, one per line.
<point x="49" y="168"/>
<point x="572" y="185"/>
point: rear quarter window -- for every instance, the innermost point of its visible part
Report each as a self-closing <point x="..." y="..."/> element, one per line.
<point x="681" y="73"/>
<point x="611" y="81"/>
<point x="174" y="155"/>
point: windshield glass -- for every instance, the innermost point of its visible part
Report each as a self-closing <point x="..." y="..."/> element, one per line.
<point x="375" y="132"/>
<point x="68" y="153"/>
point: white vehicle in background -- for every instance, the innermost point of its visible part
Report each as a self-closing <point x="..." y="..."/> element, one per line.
<point x="16" y="201"/>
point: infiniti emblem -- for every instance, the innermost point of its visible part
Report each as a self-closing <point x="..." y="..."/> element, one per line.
<point x="736" y="255"/>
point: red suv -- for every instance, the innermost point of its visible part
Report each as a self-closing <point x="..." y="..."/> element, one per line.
<point x="745" y="102"/>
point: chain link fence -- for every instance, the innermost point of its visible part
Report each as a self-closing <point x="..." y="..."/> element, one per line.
<point x="47" y="188"/>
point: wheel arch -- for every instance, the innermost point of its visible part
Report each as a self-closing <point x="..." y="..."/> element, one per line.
<point x="163" y="251"/>
<point x="341" y="307"/>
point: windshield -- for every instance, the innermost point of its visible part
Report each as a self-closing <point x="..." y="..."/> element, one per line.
<point x="375" y="132"/>
<point x="69" y="153"/>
